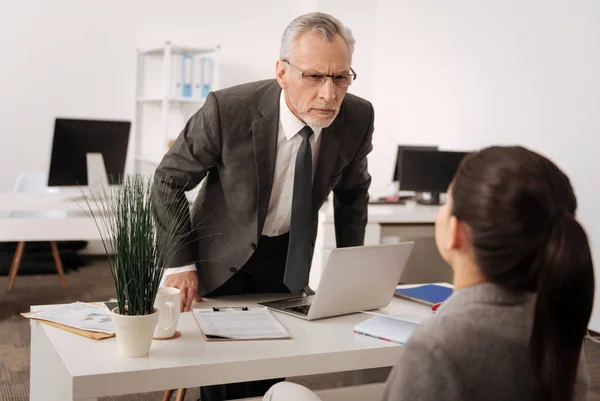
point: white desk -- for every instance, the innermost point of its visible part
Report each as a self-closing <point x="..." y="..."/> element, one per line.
<point x="65" y="366"/>
<point x="389" y="223"/>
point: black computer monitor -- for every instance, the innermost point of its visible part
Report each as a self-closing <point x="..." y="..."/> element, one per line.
<point x="75" y="138"/>
<point x="429" y="171"/>
<point x="402" y="148"/>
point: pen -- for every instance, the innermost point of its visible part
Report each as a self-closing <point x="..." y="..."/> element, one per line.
<point x="217" y="309"/>
<point x="216" y="337"/>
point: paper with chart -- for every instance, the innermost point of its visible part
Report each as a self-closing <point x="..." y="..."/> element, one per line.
<point x="78" y="315"/>
<point x="250" y="324"/>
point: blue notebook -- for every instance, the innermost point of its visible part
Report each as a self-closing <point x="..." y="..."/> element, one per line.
<point x="428" y="294"/>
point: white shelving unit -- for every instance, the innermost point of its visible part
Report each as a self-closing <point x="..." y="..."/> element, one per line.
<point x="161" y="109"/>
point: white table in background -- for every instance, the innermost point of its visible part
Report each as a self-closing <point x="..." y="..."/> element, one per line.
<point x="385" y="223"/>
<point x="75" y="226"/>
<point x="66" y="366"/>
<point x="388" y="224"/>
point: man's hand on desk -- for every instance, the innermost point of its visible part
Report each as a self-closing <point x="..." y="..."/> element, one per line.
<point x="187" y="282"/>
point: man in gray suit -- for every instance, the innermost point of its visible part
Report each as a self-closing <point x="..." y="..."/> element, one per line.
<point x="270" y="153"/>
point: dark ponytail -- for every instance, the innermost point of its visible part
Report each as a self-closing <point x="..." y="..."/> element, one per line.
<point x="520" y="210"/>
<point x="565" y="293"/>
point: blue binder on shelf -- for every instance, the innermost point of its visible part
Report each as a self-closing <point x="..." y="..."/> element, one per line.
<point x="187" y="75"/>
<point x="207" y="76"/>
<point x="428" y="294"/>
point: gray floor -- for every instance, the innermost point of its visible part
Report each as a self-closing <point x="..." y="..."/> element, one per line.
<point x="94" y="283"/>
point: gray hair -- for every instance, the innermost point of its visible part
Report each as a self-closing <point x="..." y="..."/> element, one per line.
<point x="325" y="24"/>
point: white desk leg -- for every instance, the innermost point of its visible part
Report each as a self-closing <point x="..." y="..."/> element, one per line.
<point x="50" y="380"/>
<point x="373" y="234"/>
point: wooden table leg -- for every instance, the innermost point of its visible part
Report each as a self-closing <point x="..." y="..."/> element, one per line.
<point x="181" y="394"/>
<point x="16" y="263"/>
<point x="58" y="262"/>
<point x="167" y="395"/>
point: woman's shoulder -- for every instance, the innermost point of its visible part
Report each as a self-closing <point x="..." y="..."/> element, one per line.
<point x="467" y="324"/>
<point x="448" y="329"/>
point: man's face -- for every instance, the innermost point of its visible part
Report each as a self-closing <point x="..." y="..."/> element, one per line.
<point x="316" y="105"/>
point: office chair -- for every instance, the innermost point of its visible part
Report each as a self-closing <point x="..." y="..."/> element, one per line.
<point x="34" y="183"/>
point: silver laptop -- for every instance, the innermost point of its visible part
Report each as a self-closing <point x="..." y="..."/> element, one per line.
<point x="354" y="279"/>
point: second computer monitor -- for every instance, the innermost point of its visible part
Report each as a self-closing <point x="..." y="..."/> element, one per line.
<point x="401" y="149"/>
<point x="75" y="138"/>
<point x="429" y="171"/>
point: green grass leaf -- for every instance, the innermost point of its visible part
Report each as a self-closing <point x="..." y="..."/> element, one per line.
<point x="137" y="247"/>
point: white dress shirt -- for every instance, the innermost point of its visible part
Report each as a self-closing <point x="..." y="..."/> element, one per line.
<point x="280" y="203"/>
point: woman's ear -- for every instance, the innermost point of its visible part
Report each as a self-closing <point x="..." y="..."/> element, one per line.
<point x="454" y="233"/>
<point x="459" y="234"/>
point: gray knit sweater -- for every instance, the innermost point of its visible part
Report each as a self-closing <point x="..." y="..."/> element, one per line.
<point x="474" y="348"/>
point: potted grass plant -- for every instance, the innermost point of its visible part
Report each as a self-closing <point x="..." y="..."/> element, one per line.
<point x="137" y="245"/>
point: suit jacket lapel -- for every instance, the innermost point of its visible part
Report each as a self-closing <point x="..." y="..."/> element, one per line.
<point x="264" y="138"/>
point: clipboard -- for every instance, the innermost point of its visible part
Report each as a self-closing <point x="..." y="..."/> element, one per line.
<point x="94" y="335"/>
<point x="239" y="324"/>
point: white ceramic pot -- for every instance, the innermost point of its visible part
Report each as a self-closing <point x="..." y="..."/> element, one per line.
<point x="134" y="333"/>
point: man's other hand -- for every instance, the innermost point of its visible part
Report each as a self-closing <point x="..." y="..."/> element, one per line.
<point x="187" y="282"/>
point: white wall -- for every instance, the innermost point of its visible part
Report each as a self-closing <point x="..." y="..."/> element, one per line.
<point x="461" y="74"/>
<point x="468" y="73"/>
<point x="360" y="17"/>
<point x="77" y="59"/>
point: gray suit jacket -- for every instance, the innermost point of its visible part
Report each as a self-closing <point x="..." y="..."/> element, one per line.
<point x="232" y="141"/>
<point x="474" y="348"/>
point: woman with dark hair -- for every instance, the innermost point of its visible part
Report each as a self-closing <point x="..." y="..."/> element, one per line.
<point x="523" y="290"/>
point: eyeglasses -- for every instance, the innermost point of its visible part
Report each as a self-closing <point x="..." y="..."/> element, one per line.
<point x="341" y="80"/>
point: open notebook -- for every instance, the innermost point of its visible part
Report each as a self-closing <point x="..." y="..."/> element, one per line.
<point x="393" y="328"/>
<point x="226" y="324"/>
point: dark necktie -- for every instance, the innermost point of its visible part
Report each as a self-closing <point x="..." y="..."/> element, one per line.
<point x="297" y="265"/>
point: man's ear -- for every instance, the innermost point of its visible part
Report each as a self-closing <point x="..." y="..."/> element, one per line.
<point x="281" y="72"/>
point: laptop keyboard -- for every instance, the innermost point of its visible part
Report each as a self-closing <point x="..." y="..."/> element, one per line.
<point x="302" y="309"/>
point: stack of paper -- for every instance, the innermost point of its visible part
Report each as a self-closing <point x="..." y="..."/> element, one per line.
<point x="78" y="315"/>
<point x="245" y="324"/>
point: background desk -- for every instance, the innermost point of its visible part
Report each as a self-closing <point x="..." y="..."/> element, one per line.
<point x="388" y="224"/>
<point x="75" y="226"/>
